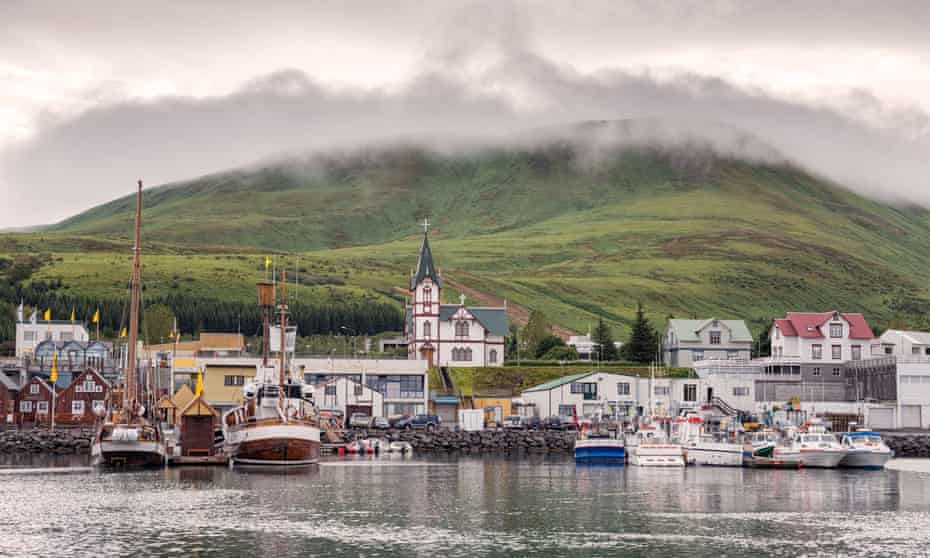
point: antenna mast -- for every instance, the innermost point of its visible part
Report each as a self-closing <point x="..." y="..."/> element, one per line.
<point x="283" y="324"/>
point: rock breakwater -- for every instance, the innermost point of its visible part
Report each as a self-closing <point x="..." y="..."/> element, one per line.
<point x="61" y="441"/>
<point x="486" y="441"/>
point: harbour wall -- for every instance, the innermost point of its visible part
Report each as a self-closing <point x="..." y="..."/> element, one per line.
<point x="485" y="441"/>
<point x="908" y="444"/>
<point x="62" y="441"/>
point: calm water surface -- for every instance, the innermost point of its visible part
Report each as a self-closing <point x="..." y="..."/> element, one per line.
<point x="463" y="507"/>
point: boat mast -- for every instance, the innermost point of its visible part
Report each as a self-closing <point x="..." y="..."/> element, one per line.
<point x="131" y="395"/>
<point x="283" y="325"/>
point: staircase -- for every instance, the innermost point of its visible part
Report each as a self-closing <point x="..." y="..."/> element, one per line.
<point x="728" y="409"/>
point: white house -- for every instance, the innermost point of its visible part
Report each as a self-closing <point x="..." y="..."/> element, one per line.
<point x="821" y="337"/>
<point x="450" y="334"/>
<point x="688" y="341"/>
<point x="349" y="396"/>
<point x="586" y="347"/>
<point x="30" y="333"/>
<point x="905" y="343"/>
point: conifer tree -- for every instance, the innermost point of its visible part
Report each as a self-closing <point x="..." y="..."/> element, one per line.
<point x="641" y="347"/>
<point x="604" y="339"/>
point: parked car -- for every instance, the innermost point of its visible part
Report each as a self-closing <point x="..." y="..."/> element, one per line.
<point x="514" y="422"/>
<point x="395" y="420"/>
<point x="553" y="423"/>
<point x="568" y="423"/>
<point x="532" y="423"/>
<point x="359" y="420"/>
<point x="380" y="423"/>
<point x="426" y="422"/>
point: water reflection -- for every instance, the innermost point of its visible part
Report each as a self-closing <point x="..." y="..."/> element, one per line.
<point x="540" y="506"/>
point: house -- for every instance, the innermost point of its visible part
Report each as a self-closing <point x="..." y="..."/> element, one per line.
<point x="586" y="347"/>
<point x="450" y="334"/>
<point x="73" y="357"/>
<point x="821" y="337"/>
<point x="349" y="396"/>
<point x="84" y="400"/>
<point x="911" y="353"/>
<point x="198" y="425"/>
<point x="208" y="345"/>
<point x="35" y="400"/>
<point x="223" y="383"/>
<point x="688" y="341"/>
<point x="30" y="333"/>
<point x="910" y="344"/>
<point x="9" y="393"/>
<point x="402" y="384"/>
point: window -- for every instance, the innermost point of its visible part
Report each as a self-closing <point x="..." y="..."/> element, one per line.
<point x="836" y="331"/>
<point x="411" y="387"/>
<point x="588" y="389"/>
<point x="690" y="392"/>
<point x="34" y="389"/>
<point x="77" y="407"/>
<point x="697" y="354"/>
<point x="492" y="356"/>
<point x="741" y="391"/>
<point x="836" y="372"/>
<point x="461" y="355"/>
<point x="815" y="372"/>
<point x="427" y="296"/>
<point x="817" y="352"/>
<point x="427" y="330"/>
<point x="330" y="389"/>
<point x="856" y="352"/>
<point x="233" y="380"/>
<point x="90" y="386"/>
<point x="660" y="390"/>
<point x="461" y="328"/>
<point x="357" y="389"/>
<point x="98" y="405"/>
<point x="42" y="407"/>
<point x="29" y="336"/>
<point x="732" y="355"/>
<point x="623" y="388"/>
<point x="915" y="350"/>
<point x="836" y="352"/>
<point x="715" y="338"/>
<point x="25" y="406"/>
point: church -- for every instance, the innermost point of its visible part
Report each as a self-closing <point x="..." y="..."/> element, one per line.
<point x="450" y="334"/>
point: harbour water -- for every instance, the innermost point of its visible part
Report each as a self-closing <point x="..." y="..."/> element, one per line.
<point x="461" y="507"/>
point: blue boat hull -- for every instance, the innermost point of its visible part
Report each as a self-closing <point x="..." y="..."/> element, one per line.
<point x="600" y="455"/>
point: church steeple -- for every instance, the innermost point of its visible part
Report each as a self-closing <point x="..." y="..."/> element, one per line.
<point x="425" y="266"/>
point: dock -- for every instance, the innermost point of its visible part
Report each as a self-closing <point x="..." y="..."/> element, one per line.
<point x="180" y="460"/>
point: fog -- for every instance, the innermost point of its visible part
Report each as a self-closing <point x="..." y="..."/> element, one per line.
<point x="487" y="79"/>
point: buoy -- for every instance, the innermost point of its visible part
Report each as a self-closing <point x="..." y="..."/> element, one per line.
<point x="341" y="451"/>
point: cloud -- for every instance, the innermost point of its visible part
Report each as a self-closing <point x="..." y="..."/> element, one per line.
<point x="484" y="77"/>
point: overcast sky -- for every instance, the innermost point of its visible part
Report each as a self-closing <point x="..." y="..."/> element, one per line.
<point x="94" y="94"/>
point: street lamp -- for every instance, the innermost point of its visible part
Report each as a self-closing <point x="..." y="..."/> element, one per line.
<point x="354" y="339"/>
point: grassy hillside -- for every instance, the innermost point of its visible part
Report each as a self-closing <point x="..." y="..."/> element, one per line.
<point x="687" y="234"/>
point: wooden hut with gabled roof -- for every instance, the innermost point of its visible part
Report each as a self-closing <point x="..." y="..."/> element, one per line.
<point x="167" y="410"/>
<point x="198" y="424"/>
<point x="182" y="397"/>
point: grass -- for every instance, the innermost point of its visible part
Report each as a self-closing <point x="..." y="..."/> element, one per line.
<point x="470" y="381"/>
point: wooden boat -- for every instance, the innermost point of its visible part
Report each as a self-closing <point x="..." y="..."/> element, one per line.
<point x="127" y="436"/>
<point x="278" y="423"/>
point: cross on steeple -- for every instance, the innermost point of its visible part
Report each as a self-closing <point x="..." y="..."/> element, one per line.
<point x="426" y="225"/>
<point x="462" y="299"/>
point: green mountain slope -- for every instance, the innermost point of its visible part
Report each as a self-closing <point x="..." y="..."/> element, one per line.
<point x="683" y="231"/>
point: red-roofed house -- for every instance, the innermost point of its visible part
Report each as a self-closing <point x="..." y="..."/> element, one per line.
<point x="830" y="337"/>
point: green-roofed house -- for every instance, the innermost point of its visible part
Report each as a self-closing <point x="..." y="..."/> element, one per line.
<point x="450" y="334"/>
<point x="688" y="341"/>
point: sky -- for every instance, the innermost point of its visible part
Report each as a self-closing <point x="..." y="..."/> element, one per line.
<point x="96" y="94"/>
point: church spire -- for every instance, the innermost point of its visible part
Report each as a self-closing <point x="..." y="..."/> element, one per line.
<point x="425" y="266"/>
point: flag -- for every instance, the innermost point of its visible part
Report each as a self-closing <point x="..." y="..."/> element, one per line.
<point x="96" y="318"/>
<point x="47" y="316"/>
<point x="54" y="376"/>
<point x="34" y="317"/>
<point x="122" y="333"/>
<point x="72" y="314"/>
<point x="267" y="263"/>
<point x="19" y="313"/>
<point x="199" y="389"/>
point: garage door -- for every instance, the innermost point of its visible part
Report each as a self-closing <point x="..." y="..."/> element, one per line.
<point x="881" y="418"/>
<point x="910" y="416"/>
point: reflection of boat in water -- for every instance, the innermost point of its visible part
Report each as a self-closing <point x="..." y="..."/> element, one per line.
<point x="593" y="448"/>
<point x="865" y="450"/>
<point x="651" y="448"/>
<point x="126" y="437"/>
<point x="278" y="423"/>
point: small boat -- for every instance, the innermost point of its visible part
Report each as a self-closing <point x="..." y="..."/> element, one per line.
<point x="818" y="447"/>
<point x="865" y="450"/>
<point x="651" y="448"/>
<point x="775" y="457"/>
<point x="706" y="448"/>
<point x="594" y="448"/>
<point x="403" y="448"/>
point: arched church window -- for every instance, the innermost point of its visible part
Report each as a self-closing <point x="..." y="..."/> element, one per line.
<point x="492" y="356"/>
<point x="427" y="329"/>
<point x="468" y="355"/>
<point x="461" y="329"/>
<point x="427" y="295"/>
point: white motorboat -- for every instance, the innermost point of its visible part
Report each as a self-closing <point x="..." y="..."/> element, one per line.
<point x="865" y="450"/>
<point x="403" y="448"/>
<point x="818" y="447"/>
<point x="706" y="448"/>
<point x="650" y="447"/>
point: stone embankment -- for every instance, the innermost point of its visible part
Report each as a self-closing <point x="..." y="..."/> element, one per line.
<point x="41" y="440"/>
<point x="486" y="441"/>
<point x="908" y="444"/>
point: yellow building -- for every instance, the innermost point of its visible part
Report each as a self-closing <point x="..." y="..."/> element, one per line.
<point x="222" y="383"/>
<point x="209" y="345"/>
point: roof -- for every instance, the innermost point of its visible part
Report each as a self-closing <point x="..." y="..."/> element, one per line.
<point x="446" y="400"/>
<point x="425" y="266"/>
<point x="9" y="383"/>
<point x="915" y="337"/>
<point x="807" y="324"/>
<point x="182" y="397"/>
<point x="687" y="330"/>
<point x="199" y="408"/>
<point x="558" y="382"/>
<point x="216" y="341"/>
<point x="494" y="320"/>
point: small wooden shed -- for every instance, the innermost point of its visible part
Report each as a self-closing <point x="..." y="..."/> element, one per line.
<point x="167" y="411"/>
<point x="198" y="423"/>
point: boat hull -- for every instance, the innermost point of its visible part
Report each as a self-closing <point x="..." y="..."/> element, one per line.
<point x="600" y="451"/>
<point x="822" y="459"/>
<point x="716" y="454"/>
<point x="865" y="459"/>
<point x="129" y="454"/>
<point x="657" y="456"/>
<point x="274" y="444"/>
